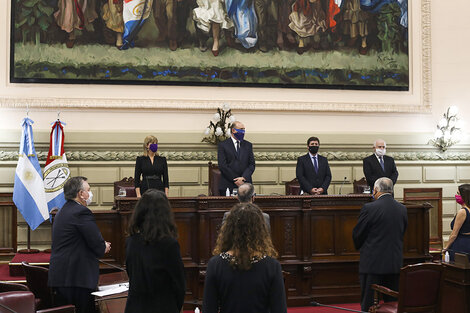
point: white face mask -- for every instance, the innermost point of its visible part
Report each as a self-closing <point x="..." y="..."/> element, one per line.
<point x="380" y="152"/>
<point x="90" y="198"/>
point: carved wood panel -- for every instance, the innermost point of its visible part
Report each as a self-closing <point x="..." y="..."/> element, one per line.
<point x="323" y="235"/>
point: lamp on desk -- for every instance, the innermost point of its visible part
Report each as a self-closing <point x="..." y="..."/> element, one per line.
<point x="448" y="131"/>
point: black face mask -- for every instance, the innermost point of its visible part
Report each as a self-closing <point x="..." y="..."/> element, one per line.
<point x="313" y="149"/>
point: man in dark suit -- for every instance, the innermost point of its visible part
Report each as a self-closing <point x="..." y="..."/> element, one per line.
<point x="76" y="246"/>
<point x="379" y="165"/>
<point x="246" y="194"/>
<point x="379" y="237"/>
<point x="313" y="170"/>
<point x="236" y="160"/>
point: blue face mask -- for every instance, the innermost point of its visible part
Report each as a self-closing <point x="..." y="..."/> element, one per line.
<point x="240" y="134"/>
<point x="153" y="147"/>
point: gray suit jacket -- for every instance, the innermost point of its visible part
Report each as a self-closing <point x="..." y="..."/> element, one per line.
<point x="265" y="215"/>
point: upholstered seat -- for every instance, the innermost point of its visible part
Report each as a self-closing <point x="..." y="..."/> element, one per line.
<point x="293" y="187"/>
<point x="214" y="179"/>
<point x="127" y="183"/>
<point x="418" y="290"/>
<point x="24" y="302"/>
<point x="36" y="279"/>
<point x="359" y="186"/>
<point x="4" y="287"/>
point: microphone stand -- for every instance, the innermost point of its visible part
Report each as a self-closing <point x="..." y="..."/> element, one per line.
<point x="341" y="187"/>
<point x="314" y="303"/>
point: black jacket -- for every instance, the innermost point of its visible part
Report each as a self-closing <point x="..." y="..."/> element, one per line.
<point x="373" y="169"/>
<point x="379" y="236"/>
<point x="76" y="246"/>
<point x="232" y="166"/>
<point x="307" y="176"/>
<point x="156" y="276"/>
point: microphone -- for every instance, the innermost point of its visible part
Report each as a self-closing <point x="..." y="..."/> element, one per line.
<point x="112" y="265"/>
<point x="341" y="187"/>
<point x="314" y="303"/>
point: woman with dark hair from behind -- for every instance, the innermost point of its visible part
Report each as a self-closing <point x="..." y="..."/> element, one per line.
<point x="153" y="260"/>
<point x="459" y="239"/>
<point x="243" y="276"/>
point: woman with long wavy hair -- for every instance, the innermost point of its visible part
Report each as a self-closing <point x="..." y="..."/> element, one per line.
<point x="243" y="276"/>
<point x="153" y="259"/>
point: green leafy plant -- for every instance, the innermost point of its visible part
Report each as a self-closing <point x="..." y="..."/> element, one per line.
<point x="32" y="20"/>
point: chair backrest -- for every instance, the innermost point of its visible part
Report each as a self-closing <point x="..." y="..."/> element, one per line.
<point x="419" y="288"/>
<point x="18" y="301"/>
<point x="214" y="179"/>
<point x="360" y="185"/>
<point x="293" y="187"/>
<point x="127" y="183"/>
<point x="36" y="279"/>
<point x="4" y="287"/>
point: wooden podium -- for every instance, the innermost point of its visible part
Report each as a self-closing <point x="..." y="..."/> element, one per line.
<point x="312" y="234"/>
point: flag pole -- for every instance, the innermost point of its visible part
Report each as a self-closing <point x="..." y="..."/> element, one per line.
<point x="28" y="249"/>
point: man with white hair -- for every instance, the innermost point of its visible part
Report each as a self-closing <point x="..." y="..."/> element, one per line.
<point x="379" y="165"/>
<point x="378" y="235"/>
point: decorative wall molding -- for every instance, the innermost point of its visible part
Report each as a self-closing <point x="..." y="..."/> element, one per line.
<point x="417" y="100"/>
<point x="182" y="156"/>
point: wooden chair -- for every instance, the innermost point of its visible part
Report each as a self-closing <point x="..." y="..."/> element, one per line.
<point x="5" y="286"/>
<point x="127" y="184"/>
<point x="360" y="185"/>
<point x="293" y="187"/>
<point x="36" y="279"/>
<point x="419" y="290"/>
<point x="214" y="179"/>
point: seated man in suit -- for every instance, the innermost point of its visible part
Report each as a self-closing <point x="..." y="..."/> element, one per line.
<point x="379" y="165"/>
<point x="246" y="194"/>
<point x="235" y="159"/>
<point x="313" y="170"/>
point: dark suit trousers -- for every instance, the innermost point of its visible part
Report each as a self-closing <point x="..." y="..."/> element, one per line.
<point x="367" y="294"/>
<point x="82" y="298"/>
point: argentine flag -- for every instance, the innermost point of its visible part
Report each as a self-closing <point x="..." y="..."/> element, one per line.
<point x="134" y="13"/>
<point x="28" y="192"/>
<point x="56" y="171"/>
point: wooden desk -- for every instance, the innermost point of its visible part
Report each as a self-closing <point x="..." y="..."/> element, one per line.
<point x="312" y="234"/>
<point x="455" y="291"/>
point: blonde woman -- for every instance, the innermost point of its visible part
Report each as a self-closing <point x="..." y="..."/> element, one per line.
<point x="151" y="170"/>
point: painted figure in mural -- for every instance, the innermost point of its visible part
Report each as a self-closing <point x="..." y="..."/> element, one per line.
<point x="285" y="35"/>
<point x="355" y="24"/>
<point x="243" y="15"/>
<point x="210" y="15"/>
<point x="265" y="9"/>
<point x="111" y="13"/>
<point x="387" y="15"/>
<point x="73" y="15"/>
<point x="164" y="13"/>
<point x="308" y="19"/>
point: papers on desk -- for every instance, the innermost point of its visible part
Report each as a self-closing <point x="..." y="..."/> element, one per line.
<point x="111" y="289"/>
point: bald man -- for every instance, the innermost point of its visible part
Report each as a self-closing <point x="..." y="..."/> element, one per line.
<point x="246" y="194"/>
<point x="235" y="159"/>
<point x="379" y="165"/>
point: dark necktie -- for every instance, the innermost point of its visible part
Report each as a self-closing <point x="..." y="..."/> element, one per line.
<point x="382" y="163"/>
<point x="315" y="164"/>
<point x="238" y="147"/>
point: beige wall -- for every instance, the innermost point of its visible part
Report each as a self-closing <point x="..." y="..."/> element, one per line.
<point x="100" y="130"/>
